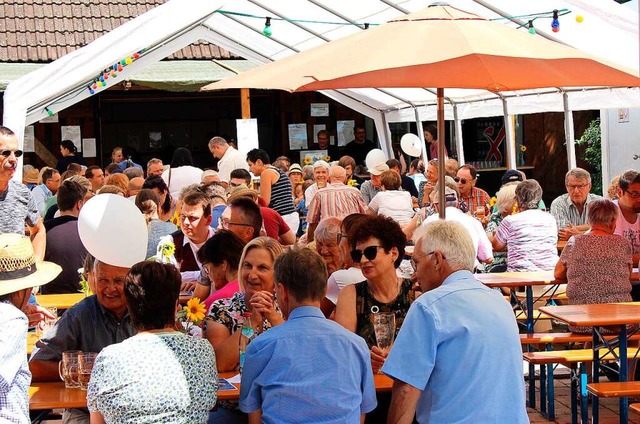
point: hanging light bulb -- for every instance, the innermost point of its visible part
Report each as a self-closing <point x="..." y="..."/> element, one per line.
<point x="555" y="23"/>
<point x="532" y="30"/>
<point x="267" y="28"/>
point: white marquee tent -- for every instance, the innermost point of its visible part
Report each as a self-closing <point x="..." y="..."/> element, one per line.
<point x="609" y="30"/>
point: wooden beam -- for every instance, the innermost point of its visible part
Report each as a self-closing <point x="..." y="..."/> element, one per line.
<point x="43" y="153"/>
<point x="245" y="103"/>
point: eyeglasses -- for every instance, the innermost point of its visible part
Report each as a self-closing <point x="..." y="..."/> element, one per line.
<point x="414" y="264"/>
<point x="224" y="223"/>
<point x="341" y="236"/>
<point x="633" y="194"/>
<point x="7" y="153"/>
<point x="369" y="252"/>
<point x="462" y="180"/>
<point x="576" y="186"/>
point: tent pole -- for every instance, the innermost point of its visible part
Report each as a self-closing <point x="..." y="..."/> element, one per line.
<point x="420" y="130"/>
<point x="441" y="137"/>
<point x="458" y="134"/>
<point x="385" y="140"/>
<point x="509" y="138"/>
<point x="569" y="132"/>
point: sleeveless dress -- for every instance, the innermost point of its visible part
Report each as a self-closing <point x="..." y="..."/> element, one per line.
<point x="365" y="301"/>
<point x="281" y="200"/>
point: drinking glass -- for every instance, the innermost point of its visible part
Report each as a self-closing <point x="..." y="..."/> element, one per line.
<point x="85" y="366"/>
<point x="384" y="326"/>
<point x="480" y="213"/>
<point x="68" y="368"/>
<point x="47" y="323"/>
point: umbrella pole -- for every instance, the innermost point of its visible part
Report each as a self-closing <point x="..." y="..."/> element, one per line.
<point x="441" y="158"/>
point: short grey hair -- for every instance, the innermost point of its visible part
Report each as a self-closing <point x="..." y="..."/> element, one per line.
<point x="601" y="212"/>
<point x="153" y="162"/>
<point x="328" y="230"/>
<point x="505" y="198"/>
<point x="320" y="163"/>
<point x="133" y="172"/>
<point x="450" y="238"/>
<point x="578" y="174"/>
<point x="528" y="194"/>
<point x="217" y="141"/>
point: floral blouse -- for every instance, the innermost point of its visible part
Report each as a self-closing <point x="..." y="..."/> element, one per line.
<point x="228" y="312"/>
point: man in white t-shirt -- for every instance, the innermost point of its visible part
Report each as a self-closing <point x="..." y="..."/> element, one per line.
<point x="228" y="158"/>
<point x="628" y="223"/>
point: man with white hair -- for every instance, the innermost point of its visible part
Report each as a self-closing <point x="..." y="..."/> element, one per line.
<point x="228" y="158"/>
<point x="336" y="200"/>
<point x="321" y="178"/>
<point x="209" y="176"/>
<point x="456" y="321"/>
<point x="570" y="209"/>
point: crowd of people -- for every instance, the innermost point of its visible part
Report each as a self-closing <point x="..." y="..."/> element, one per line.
<point x="306" y="255"/>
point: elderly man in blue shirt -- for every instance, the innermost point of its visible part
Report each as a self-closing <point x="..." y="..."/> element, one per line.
<point x="457" y="358"/>
<point x="308" y="369"/>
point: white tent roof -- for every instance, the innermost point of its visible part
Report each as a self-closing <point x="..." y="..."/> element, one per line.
<point x="609" y="30"/>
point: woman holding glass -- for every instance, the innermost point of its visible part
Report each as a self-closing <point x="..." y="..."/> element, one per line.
<point x="160" y="374"/>
<point x="378" y="248"/>
<point x="256" y="295"/>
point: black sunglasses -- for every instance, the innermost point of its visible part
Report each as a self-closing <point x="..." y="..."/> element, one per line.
<point x="7" y="153"/>
<point x="460" y="180"/>
<point x="369" y="252"/>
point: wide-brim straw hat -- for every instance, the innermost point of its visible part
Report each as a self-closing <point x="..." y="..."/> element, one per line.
<point x="242" y="191"/>
<point x="18" y="267"/>
<point x="31" y="176"/>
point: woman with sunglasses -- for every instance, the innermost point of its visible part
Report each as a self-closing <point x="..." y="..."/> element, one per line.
<point x="426" y="187"/>
<point x="378" y="248"/>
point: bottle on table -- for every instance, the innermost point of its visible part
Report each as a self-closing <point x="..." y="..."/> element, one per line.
<point x="247" y="333"/>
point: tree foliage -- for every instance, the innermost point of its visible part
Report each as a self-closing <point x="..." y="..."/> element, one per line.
<point x="592" y="154"/>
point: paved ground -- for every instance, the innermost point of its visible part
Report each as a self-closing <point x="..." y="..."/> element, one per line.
<point x="608" y="407"/>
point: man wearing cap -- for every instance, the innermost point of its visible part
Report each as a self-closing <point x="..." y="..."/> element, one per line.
<point x="475" y="198"/>
<point x="17" y="205"/>
<point x="321" y="178"/>
<point x="30" y="176"/>
<point x="481" y="243"/>
<point x="570" y="209"/>
<point x="19" y="273"/>
<point x="228" y="158"/>
<point x="370" y="188"/>
<point x="336" y="200"/>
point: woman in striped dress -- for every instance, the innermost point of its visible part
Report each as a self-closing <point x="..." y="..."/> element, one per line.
<point x="275" y="187"/>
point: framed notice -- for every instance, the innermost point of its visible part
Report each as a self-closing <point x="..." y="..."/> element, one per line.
<point x="72" y="132"/>
<point x="319" y="109"/>
<point x="247" y="131"/>
<point x="298" y="136"/>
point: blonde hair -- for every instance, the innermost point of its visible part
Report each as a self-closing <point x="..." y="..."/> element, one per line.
<point x="506" y="198"/>
<point x="267" y="243"/>
<point x="119" y="180"/>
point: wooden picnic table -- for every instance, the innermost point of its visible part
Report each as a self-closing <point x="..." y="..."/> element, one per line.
<point x="60" y="301"/>
<point x="596" y="316"/>
<point x="53" y="395"/>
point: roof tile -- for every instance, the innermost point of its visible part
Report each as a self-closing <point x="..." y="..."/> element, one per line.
<point x="44" y="30"/>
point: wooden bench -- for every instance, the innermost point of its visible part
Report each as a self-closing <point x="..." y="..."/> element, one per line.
<point x="635" y="407"/>
<point x="574" y="359"/>
<point x="560" y="338"/>
<point x="613" y="389"/>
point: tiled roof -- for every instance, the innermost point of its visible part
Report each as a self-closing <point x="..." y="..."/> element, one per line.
<point x="45" y="30"/>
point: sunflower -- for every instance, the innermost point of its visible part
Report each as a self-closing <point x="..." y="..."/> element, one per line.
<point x="492" y="201"/>
<point x="327" y="158"/>
<point x="195" y="310"/>
<point x="523" y="148"/>
<point x="307" y="160"/>
<point x="168" y="249"/>
<point x="352" y="183"/>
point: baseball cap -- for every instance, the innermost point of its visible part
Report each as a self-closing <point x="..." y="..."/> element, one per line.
<point x="511" y="176"/>
<point x="379" y="169"/>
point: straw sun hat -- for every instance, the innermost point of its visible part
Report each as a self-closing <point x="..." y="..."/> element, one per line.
<point x="18" y="267"/>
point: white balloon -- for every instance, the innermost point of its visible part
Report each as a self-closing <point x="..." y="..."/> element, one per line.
<point x="374" y="157"/>
<point x="411" y="145"/>
<point x="113" y="230"/>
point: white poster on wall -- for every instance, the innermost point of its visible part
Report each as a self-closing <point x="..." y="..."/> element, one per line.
<point x="29" y="143"/>
<point x="89" y="147"/>
<point x="72" y="132"/>
<point x="247" y="130"/>
<point x="297" y="136"/>
<point x="316" y="130"/>
<point x="319" y="109"/>
<point x="345" y="132"/>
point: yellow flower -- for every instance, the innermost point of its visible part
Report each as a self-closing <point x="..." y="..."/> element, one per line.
<point x="195" y="310"/>
<point x="523" y="148"/>
<point x="168" y="249"/>
<point x="307" y="160"/>
<point x="514" y="210"/>
<point x="492" y="201"/>
<point x="352" y="183"/>
<point x="327" y="158"/>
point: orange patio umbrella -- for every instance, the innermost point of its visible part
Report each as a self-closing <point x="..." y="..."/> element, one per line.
<point x="439" y="47"/>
